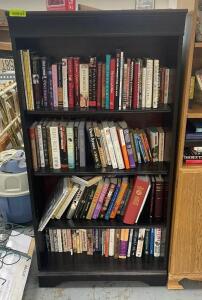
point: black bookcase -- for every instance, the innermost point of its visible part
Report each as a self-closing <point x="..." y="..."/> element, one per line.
<point x="155" y="34"/>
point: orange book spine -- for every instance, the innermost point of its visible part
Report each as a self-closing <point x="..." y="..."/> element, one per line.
<point x="123" y="148"/>
<point x="95" y="199"/>
<point x="121" y="194"/>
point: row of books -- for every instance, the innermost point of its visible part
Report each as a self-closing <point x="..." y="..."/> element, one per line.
<point x="59" y="144"/>
<point x="106" y="198"/>
<point x="193" y="155"/>
<point x="115" y="82"/>
<point x="116" y="243"/>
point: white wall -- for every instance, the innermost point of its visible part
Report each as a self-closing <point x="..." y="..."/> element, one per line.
<point x="102" y="4"/>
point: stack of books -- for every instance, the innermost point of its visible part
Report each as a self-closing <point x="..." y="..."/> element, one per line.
<point x="114" y="82"/>
<point x="106" y="198"/>
<point x="62" y="145"/>
<point x="193" y="156"/>
<point x="117" y="243"/>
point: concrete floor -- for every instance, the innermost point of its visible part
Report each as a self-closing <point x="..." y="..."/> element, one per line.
<point x="107" y="291"/>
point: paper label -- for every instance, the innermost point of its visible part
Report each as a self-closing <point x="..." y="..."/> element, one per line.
<point x="17" y="13"/>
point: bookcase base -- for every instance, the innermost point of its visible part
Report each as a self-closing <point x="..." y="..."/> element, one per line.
<point x="174" y="281"/>
<point x="53" y="279"/>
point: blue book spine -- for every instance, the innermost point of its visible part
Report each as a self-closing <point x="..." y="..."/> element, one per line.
<point x="112" y="202"/>
<point x="151" y="242"/>
<point x="107" y="82"/>
<point x="137" y="148"/>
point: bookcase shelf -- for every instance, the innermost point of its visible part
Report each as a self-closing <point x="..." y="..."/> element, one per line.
<point x="139" y="34"/>
<point x="74" y="224"/>
<point x="87" y="112"/>
<point x="141" y="169"/>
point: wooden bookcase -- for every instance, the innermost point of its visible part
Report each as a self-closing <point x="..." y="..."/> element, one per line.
<point x="139" y="34"/>
<point x="186" y="236"/>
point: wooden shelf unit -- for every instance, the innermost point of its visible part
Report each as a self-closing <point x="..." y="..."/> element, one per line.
<point x="187" y="207"/>
<point x="139" y="34"/>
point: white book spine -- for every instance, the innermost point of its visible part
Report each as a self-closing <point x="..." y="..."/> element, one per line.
<point x="75" y="202"/>
<point x="161" y="145"/>
<point x="111" y="241"/>
<point x="140" y="242"/>
<point x="149" y="83"/>
<point x="52" y="244"/>
<point x="130" y="242"/>
<point x="59" y="237"/>
<point x="110" y="148"/>
<point x="144" y="74"/>
<point x="41" y="150"/>
<point x="64" y="240"/>
<point x="156" y="84"/>
<point x="55" y="147"/>
<point x="166" y="85"/>
<point x="84" y="85"/>
<point x="64" y="83"/>
<point x="121" y="80"/>
<point x="55" y="239"/>
<point x="70" y="146"/>
<point x="117" y="149"/>
<point x="157" y="242"/>
<point x="106" y="148"/>
<point x="69" y="241"/>
<point x="84" y="239"/>
<point x="67" y="202"/>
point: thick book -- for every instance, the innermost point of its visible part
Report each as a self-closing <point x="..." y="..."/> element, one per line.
<point x="84" y="85"/>
<point x="117" y="80"/>
<point x="63" y="144"/>
<point x="54" y="137"/>
<point x="121" y="79"/>
<point x="137" y="199"/>
<point x="153" y="135"/>
<point x="99" y="144"/>
<point x="136" y="84"/>
<point x="33" y="146"/>
<point x="134" y="241"/>
<point x="103" y="80"/>
<point x="117" y="237"/>
<point x="123" y="147"/>
<point x="26" y="68"/>
<point x="109" y="142"/>
<point x="155" y="97"/>
<point x="116" y="145"/>
<point x="50" y="88"/>
<point x="151" y="242"/>
<point x="76" y="143"/>
<point x="157" y="242"/>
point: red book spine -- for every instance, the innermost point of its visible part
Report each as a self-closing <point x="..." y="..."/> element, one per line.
<point x="70" y="5"/>
<point x="193" y="161"/>
<point x="112" y="82"/>
<point x="135" y="86"/>
<point x="76" y="81"/>
<point x="70" y="75"/>
<point x="99" y="84"/>
<point x="135" y="201"/>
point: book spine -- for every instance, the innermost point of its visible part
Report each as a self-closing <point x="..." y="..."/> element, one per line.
<point x="111" y="241"/>
<point x="106" y="148"/>
<point x="45" y="145"/>
<point x="103" y="85"/>
<point x="70" y="81"/>
<point x="163" y="242"/>
<point x="36" y="82"/>
<point x="59" y="238"/>
<point x="64" y="83"/>
<point x="149" y="83"/>
<point x="146" y="241"/>
<point x="124" y="94"/>
<point x="107" y="82"/>
<point x="162" y="82"/>
<point x="123" y="243"/>
<point x="50" y="88"/>
<point x="117" y="149"/>
<point x="33" y="147"/>
<point x="75" y="202"/>
<point x="158" y="205"/>
<point x="110" y="148"/>
<point x="76" y="145"/>
<point x="123" y="148"/>
<point x="157" y="242"/>
<point x="76" y="62"/>
<point x="128" y="83"/>
<point x="166" y="86"/>
<point x="55" y="147"/>
<point x="136" y="85"/>
<point x="40" y="141"/>
<point x="63" y="146"/>
<point x="112" y="83"/>
<point x="112" y="202"/>
<point x="84" y="85"/>
<point x="94" y="148"/>
<point x="59" y="84"/>
<point x="117" y="81"/>
<point x="140" y="242"/>
<point x="121" y="194"/>
<point x="144" y="74"/>
<point x="69" y="241"/>
<point x="134" y="241"/>
<point x="28" y="79"/>
<point x="55" y="85"/>
<point x="100" y="200"/>
<point x="44" y="78"/>
<point x="92" y="82"/>
<point x="129" y="148"/>
<point x="50" y="158"/>
<point x="131" y="79"/>
<point x="155" y="84"/>
<point x="151" y="242"/>
<point x="82" y="142"/>
<point x="70" y="147"/>
<point x="52" y="245"/>
<point x="107" y="199"/>
<point x="121" y="80"/>
<point x="99" y="85"/>
<point x="130" y="243"/>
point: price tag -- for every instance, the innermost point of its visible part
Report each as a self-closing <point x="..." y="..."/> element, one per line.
<point x="17" y="13"/>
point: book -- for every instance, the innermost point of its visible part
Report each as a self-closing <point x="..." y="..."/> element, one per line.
<point x="123" y="245"/>
<point x="116" y="145"/>
<point x="65" y="83"/>
<point x="101" y="198"/>
<point x="76" y="196"/>
<point x="84" y="85"/>
<point x="95" y="200"/>
<point x="86" y="181"/>
<point x="76" y="63"/>
<point x="112" y="83"/>
<point x="149" y="83"/>
<point x="137" y="199"/>
<point x="121" y="79"/>
<point x="70" y="144"/>
<point x="157" y="242"/>
<point x="54" y="138"/>
<point x="126" y="133"/>
<point x="158" y="202"/>
<point x="107" y="81"/>
<point x="109" y="144"/>
<point x="122" y="191"/>
<point x="140" y="242"/>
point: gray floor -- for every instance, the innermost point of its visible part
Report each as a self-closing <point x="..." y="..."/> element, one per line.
<point x="106" y="291"/>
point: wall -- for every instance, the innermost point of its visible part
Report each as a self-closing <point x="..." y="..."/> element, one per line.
<point x="104" y="4"/>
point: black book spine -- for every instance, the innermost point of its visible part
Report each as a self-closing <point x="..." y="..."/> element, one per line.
<point x="44" y="79"/>
<point x="88" y="202"/>
<point x="36" y="81"/>
<point x="134" y="241"/>
<point x="63" y="146"/>
<point x="131" y="83"/>
<point x="50" y="89"/>
<point x="94" y="148"/>
<point x="60" y="84"/>
<point x="45" y="144"/>
<point x="152" y="197"/>
<point x="76" y="146"/>
<point x="146" y="241"/>
<point x="80" y="204"/>
<point x="117" y="80"/>
<point x="47" y="237"/>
